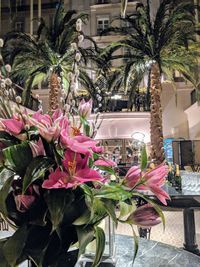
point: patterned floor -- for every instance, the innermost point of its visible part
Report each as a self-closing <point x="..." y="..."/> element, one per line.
<point x="173" y="233"/>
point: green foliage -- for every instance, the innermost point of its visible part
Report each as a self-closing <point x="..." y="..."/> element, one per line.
<point x="100" y="246"/>
<point x="168" y="39"/>
<point x="5" y="190"/>
<point x="18" y="157"/>
<point x="36" y="170"/>
<point x="126" y="209"/>
<point x="14" y="246"/>
<point x="144" y="158"/>
<point x="7" y="139"/>
<point x="85" y="236"/>
<point x="35" y="58"/>
<point x="115" y="192"/>
<point x="58" y="202"/>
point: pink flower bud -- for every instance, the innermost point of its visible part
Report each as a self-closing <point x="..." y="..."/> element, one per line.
<point x="145" y="216"/>
<point x="85" y="108"/>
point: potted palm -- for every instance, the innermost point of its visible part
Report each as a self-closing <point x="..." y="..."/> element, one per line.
<point x="155" y="45"/>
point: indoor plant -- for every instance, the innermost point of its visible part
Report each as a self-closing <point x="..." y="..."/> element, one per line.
<point x="54" y="194"/>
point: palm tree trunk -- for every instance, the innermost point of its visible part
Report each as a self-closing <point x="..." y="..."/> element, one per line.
<point x="156" y="130"/>
<point x="54" y="85"/>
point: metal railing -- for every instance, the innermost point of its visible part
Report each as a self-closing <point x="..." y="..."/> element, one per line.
<point x="139" y="103"/>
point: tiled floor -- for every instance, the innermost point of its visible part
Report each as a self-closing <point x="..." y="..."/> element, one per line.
<point x="173" y="233"/>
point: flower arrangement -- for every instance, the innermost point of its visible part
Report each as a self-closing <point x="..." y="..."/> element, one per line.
<point x="54" y="194"/>
<point x="56" y="184"/>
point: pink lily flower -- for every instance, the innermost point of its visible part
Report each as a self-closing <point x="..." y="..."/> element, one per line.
<point x="98" y="149"/>
<point x="85" y="108"/>
<point x="12" y="126"/>
<point x="76" y="141"/>
<point x="132" y="177"/>
<point x="145" y="216"/>
<point x="152" y="180"/>
<point x="75" y="172"/>
<point x="105" y="162"/>
<point x="37" y="148"/>
<point x="49" y="128"/>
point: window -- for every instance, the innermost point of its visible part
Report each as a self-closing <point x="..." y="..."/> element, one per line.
<point x="102" y="24"/>
<point x="102" y="2"/>
<point x="19" y="26"/>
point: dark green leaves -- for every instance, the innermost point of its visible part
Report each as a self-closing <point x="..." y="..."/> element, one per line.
<point x="36" y="170"/>
<point x="100" y="246"/>
<point x="85" y="236"/>
<point x="14" y="246"/>
<point x="18" y="157"/>
<point x="4" y="191"/>
<point x="57" y="201"/>
<point x="8" y="139"/>
<point x="3" y="261"/>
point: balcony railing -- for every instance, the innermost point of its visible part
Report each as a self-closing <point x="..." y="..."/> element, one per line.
<point x="99" y="2"/>
<point x="139" y="103"/>
<point x="27" y="7"/>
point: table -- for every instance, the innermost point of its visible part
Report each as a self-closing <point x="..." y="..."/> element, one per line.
<point x="150" y="254"/>
<point x="187" y="201"/>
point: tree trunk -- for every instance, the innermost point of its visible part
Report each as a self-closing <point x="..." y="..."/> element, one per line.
<point x="156" y="130"/>
<point x="54" y="85"/>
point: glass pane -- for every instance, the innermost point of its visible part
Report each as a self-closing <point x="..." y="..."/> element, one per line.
<point x="113" y="149"/>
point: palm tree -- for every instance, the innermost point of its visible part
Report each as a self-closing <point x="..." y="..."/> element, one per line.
<point x="155" y="46"/>
<point x="48" y="56"/>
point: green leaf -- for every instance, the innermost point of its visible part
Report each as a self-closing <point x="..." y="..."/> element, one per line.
<point x="36" y="170"/>
<point x="86" y="126"/>
<point x="3" y="261"/>
<point x="83" y="219"/>
<point x="13" y="248"/>
<point x="5" y="174"/>
<point x="4" y="193"/>
<point x="85" y="236"/>
<point x="109" y="206"/>
<point x="135" y="243"/>
<point x="57" y="201"/>
<point x="38" y="78"/>
<point x="144" y="159"/>
<point x="100" y="246"/>
<point x="98" y="211"/>
<point x="107" y="169"/>
<point x="18" y="157"/>
<point x="125" y="209"/>
<point x="8" y="139"/>
<point x="115" y="192"/>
